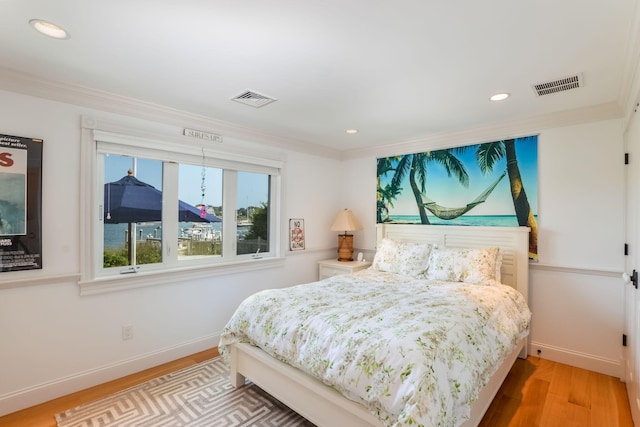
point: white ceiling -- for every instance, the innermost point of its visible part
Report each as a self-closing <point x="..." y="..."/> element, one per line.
<point x="394" y="70"/>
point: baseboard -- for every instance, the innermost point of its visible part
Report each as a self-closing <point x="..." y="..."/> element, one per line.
<point x="44" y="392"/>
<point x="602" y="365"/>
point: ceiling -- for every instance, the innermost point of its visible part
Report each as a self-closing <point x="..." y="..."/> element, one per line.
<point x="395" y="71"/>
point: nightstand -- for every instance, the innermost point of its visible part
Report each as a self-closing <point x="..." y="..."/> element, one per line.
<point x="333" y="267"/>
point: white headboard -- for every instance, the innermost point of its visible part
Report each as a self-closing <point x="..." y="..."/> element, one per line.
<point x="513" y="241"/>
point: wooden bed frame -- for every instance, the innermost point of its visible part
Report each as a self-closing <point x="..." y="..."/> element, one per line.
<point x="324" y="406"/>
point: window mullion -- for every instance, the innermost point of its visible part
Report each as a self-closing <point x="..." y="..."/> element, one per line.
<point x="274" y="215"/>
<point x="170" y="213"/>
<point x="229" y="213"/>
<point x="98" y="219"/>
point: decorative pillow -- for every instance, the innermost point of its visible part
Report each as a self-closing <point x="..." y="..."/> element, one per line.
<point x="408" y="259"/>
<point x="465" y="265"/>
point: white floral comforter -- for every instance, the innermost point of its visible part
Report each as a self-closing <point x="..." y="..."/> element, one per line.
<point x="414" y="352"/>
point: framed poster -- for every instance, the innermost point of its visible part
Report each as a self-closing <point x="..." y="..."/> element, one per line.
<point x="296" y="234"/>
<point x="20" y="203"/>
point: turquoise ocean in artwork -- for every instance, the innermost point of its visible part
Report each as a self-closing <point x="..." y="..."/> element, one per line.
<point x="477" y="220"/>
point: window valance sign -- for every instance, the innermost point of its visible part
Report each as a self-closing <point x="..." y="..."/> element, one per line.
<point x="20" y="203"/>
<point x="488" y="184"/>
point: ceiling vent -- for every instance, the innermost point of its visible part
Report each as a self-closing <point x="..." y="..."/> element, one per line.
<point x="560" y="85"/>
<point x="253" y="99"/>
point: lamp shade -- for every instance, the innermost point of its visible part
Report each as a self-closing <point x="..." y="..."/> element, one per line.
<point x="345" y="221"/>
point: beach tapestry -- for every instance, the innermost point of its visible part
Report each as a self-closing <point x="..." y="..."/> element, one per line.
<point x="488" y="184"/>
<point x="20" y="203"/>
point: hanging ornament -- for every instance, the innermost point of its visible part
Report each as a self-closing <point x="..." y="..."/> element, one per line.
<point x="203" y="187"/>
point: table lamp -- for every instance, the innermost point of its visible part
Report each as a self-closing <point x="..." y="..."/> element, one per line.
<point x="345" y="221"/>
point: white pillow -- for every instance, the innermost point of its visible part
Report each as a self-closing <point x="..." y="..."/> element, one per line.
<point x="477" y="265"/>
<point x="408" y="259"/>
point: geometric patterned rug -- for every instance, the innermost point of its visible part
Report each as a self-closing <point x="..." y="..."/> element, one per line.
<point x="198" y="396"/>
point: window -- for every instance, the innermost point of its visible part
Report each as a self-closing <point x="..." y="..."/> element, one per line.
<point x="132" y="223"/>
<point x="200" y="187"/>
<point x="253" y="213"/>
<point x="164" y="207"/>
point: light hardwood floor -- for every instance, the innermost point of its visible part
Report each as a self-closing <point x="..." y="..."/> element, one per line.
<point x="537" y="392"/>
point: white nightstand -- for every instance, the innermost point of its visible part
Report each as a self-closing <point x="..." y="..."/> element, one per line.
<point x="333" y="267"/>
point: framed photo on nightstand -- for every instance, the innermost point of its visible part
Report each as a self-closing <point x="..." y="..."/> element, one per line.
<point x="296" y="234"/>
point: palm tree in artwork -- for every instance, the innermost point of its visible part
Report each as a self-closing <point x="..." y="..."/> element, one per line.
<point x="489" y="153"/>
<point x="385" y="195"/>
<point x="416" y="165"/>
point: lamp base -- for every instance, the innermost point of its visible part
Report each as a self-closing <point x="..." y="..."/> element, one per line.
<point x="345" y="247"/>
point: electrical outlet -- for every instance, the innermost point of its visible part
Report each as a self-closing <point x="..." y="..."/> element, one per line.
<point x="127" y="333"/>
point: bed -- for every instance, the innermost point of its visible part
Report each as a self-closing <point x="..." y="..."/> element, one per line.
<point x="421" y="365"/>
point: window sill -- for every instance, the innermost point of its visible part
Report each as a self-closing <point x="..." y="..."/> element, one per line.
<point x="153" y="278"/>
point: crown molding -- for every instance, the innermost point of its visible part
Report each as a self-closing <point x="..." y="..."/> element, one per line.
<point x="14" y="81"/>
<point x="26" y="84"/>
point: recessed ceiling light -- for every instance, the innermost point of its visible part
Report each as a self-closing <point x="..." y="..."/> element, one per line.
<point x="500" y="96"/>
<point x="49" y="29"/>
<point x="351" y="131"/>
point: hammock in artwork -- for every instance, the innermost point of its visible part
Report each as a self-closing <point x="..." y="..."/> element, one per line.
<point x="452" y="213"/>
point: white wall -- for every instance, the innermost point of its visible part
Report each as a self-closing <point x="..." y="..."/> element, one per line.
<point x="576" y="291"/>
<point x="54" y="341"/>
<point x="579" y="310"/>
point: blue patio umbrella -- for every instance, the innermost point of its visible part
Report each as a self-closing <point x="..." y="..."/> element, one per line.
<point x="130" y="200"/>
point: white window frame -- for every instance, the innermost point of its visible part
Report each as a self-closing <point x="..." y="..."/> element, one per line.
<point x="98" y="139"/>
